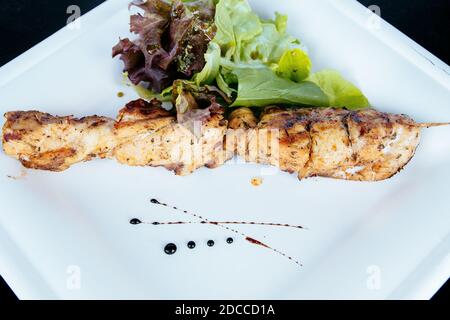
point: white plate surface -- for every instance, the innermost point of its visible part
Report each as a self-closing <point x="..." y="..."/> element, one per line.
<point x="66" y="235"/>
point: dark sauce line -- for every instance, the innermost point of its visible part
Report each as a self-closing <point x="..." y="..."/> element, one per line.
<point x="247" y="238"/>
<point x="226" y="222"/>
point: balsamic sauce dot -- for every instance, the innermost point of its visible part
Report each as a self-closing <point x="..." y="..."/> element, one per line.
<point x="191" y="244"/>
<point x="230" y="240"/>
<point x="154" y="201"/>
<point x="170" y="248"/>
<point x="135" y="221"/>
<point x="210" y="243"/>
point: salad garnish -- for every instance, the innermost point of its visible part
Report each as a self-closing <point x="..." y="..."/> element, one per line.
<point x="223" y="50"/>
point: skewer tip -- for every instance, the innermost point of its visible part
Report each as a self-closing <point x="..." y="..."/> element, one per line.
<point x="432" y="124"/>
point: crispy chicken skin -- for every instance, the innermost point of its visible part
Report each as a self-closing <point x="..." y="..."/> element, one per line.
<point x="364" y="145"/>
<point x="42" y="141"/>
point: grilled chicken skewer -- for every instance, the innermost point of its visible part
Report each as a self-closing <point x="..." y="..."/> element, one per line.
<point x="356" y="145"/>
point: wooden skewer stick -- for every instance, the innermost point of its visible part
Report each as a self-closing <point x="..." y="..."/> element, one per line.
<point x="432" y="124"/>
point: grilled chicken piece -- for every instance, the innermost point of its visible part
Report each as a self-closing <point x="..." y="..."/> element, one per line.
<point x="354" y="145"/>
<point x="241" y="122"/>
<point x="42" y="141"/>
<point x="148" y="135"/>
<point x="144" y="134"/>
<point x="242" y="118"/>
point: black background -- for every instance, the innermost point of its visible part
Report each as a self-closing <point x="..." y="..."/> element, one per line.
<point x="24" y="23"/>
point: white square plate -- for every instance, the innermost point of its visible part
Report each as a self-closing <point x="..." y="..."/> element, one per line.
<point x="66" y="235"/>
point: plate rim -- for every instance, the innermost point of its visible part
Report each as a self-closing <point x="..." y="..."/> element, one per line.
<point x="426" y="285"/>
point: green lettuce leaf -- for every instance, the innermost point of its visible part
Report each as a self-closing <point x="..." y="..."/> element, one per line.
<point x="281" y="22"/>
<point x="224" y="85"/>
<point x="341" y="92"/>
<point x="294" y="65"/>
<point x="212" y="66"/>
<point x="259" y="87"/>
<point x="258" y="63"/>
<point x="269" y="45"/>
<point x="255" y="62"/>
<point x="235" y="22"/>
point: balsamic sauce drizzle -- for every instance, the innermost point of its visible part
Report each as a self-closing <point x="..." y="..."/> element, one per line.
<point x="135" y="221"/>
<point x="224" y="222"/>
<point x="170" y="248"/>
<point x="246" y="237"/>
<point x="191" y="244"/>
